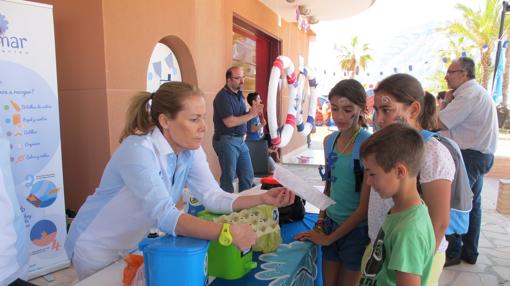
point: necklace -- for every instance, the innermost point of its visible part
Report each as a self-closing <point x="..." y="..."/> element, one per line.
<point x="349" y="143"/>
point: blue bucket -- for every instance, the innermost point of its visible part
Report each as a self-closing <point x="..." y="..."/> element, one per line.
<point x="173" y="260"/>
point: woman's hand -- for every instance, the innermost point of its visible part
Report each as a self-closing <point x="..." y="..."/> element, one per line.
<point x="278" y="197"/>
<point x="314" y="236"/>
<point x="243" y="236"/>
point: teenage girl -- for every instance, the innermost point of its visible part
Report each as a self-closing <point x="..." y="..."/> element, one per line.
<point x="400" y="98"/>
<point x="342" y="229"/>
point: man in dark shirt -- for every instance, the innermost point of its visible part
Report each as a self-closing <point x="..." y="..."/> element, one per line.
<point x="230" y="117"/>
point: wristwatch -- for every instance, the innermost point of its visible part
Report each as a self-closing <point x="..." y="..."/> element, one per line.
<point x="225" y="237"/>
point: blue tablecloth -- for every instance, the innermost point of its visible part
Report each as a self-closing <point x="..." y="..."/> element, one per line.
<point x="293" y="263"/>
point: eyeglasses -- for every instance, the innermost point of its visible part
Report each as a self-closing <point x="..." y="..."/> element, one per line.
<point x="237" y="77"/>
<point x="454" y="71"/>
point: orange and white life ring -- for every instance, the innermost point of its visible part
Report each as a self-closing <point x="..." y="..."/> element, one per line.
<point x="304" y="128"/>
<point x="281" y="139"/>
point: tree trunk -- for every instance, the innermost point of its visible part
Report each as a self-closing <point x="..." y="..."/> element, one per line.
<point x="486" y="68"/>
<point x="506" y="75"/>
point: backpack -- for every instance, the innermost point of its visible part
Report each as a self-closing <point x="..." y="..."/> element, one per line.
<point x="288" y="214"/>
<point x="461" y="200"/>
<point x="357" y="166"/>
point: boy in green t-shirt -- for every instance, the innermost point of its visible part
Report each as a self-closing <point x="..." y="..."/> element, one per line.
<point x="403" y="251"/>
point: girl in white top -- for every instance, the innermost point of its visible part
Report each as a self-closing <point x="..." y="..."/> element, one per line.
<point x="400" y="98"/>
<point x="159" y="153"/>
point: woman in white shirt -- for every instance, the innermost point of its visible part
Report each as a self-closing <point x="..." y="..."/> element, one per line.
<point x="401" y="98"/>
<point x="160" y="153"/>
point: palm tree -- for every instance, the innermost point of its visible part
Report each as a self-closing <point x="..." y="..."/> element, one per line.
<point x="354" y="58"/>
<point x="506" y="73"/>
<point x="481" y="27"/>
<point x="456" y="48"/>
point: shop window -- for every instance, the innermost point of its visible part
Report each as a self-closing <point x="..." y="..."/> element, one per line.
<point x="244" y="54"/>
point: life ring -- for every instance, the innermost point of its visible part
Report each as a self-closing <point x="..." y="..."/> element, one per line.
<point x="281" y="139"/>
<point x="304" y="128"/>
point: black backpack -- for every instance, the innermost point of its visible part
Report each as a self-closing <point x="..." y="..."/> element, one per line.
<point x="288" y="214"/>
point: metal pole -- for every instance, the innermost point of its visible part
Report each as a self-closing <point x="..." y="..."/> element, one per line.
<point x="498" y="50"/>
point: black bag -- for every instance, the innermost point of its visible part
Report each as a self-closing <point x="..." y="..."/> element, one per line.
<point x="288" y="214"/>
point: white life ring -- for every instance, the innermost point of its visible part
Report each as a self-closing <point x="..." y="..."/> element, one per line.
<point x="279" y="65"/>
<point x="304" y="128"/>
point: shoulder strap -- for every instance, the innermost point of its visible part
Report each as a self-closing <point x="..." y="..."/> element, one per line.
<point x="426" y="135"/>
<point x="331" y="142"/>
<point x="357" y="165"/>
<point x="362" y="136"/>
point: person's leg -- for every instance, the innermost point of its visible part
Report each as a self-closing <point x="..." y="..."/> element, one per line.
<point x="347" y="277"/>
<point x="454" y="249"/>
<point x="271" y="165"/>
<point x="330" y="273"/>
<point x="352" y="247"/>
<point x="477" y="166"/>
<point x="227" y="157"/>
<point x="244" y="167"/>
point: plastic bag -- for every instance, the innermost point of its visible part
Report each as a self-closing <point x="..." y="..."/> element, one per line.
<point x="134" y="263"/>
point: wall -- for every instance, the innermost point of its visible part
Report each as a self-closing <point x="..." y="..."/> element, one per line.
<point x="103" y="49"/>
<point x="83" y="105"/>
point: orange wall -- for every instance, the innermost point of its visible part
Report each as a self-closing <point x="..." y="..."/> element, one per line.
<point x="83" y="104"/>
<point x="103" y="51"/>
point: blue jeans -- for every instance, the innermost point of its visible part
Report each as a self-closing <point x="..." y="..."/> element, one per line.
<point x="234" y="158"/>
<point x="466" y="246"/>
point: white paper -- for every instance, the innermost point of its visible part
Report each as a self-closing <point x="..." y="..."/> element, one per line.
<point x="302" y="188"/>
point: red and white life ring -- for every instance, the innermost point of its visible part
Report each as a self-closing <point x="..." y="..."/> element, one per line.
<point x="281" y="139"/>
<point x="304" y="128"/>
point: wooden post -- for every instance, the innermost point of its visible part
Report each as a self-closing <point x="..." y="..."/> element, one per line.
<point x="503" y="204"/>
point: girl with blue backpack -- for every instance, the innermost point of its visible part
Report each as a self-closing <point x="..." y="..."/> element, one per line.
<point x="401" y="98"/>
<point x="342" y="229"/>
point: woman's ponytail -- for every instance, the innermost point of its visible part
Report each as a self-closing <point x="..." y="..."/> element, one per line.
<point x="138" y="120"/>
<point x="428" y="116"/>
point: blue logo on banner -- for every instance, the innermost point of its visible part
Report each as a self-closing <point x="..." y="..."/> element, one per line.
<point x="13" y="42"/>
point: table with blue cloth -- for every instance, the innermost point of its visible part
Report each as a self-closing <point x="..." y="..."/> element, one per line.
<point x="293" y="263"/>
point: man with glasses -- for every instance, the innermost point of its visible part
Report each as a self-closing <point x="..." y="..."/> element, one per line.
<point x="469" y="115"/>
<point x="230" y="117"/>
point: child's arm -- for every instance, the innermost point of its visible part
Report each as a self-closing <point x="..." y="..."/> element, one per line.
<point x="436" y="195"/>
<point x="407" y="279"/>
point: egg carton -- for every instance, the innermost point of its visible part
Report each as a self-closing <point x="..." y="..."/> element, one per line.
<point x="264" y="222"/>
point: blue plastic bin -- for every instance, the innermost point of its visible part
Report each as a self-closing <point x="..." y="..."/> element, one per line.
<point x="173" y="260"/>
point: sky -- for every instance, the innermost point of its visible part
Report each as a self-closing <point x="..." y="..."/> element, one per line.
<point x="401" y="33"/>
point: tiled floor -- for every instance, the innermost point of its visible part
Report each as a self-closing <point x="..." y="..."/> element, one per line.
<point x="493" y="265"/>
<point x="492" y="268"/>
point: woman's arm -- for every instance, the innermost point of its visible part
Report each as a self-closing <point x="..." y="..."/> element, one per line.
<point x="242" y="234"/>
<point x="436" y="195"/>
<point x="278" y="197"/>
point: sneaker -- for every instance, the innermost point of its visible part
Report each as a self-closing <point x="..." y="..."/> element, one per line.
<point x="450" y="261"/>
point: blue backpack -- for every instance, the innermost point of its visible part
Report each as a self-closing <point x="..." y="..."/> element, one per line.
<point x="357" y="166"/>
<point x="461" y="200"/>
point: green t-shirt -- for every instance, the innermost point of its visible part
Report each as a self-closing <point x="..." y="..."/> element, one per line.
<point x="405" y="243"/>
<point x="343" y="189"/>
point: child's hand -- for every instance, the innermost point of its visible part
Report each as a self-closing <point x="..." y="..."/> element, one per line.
<point x="316" y="237"/>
